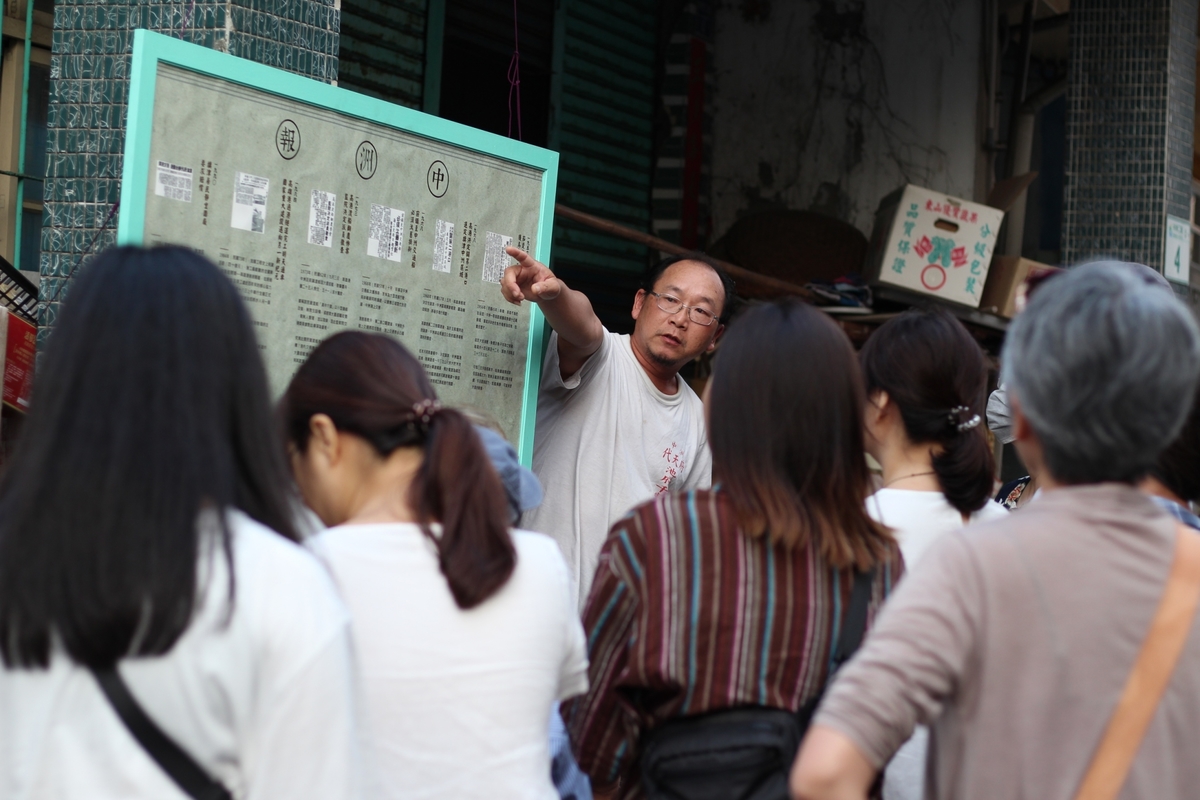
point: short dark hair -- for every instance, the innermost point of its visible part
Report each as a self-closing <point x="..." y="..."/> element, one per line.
<point x="151" y="405"/>
<point x="787" y="443"/>
<point x="369" y="385"/>
<point x="933" y="369"/>
<point x="655" y="272"/>
<point x="1178" y="468"/>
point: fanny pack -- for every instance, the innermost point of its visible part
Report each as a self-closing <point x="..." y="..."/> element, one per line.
<point x="741" y="753"/>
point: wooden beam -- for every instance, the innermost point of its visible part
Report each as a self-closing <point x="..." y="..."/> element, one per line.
<point x="760" y="285"/>
<point x="43" y="35"/>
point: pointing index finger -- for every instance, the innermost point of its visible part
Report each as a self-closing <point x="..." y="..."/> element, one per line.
<point x="523" y="258"/>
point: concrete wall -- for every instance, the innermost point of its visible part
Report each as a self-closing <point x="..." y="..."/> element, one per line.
<point x="830" y="105"/>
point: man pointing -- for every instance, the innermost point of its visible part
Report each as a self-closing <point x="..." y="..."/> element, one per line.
<point x="615" y="424"/>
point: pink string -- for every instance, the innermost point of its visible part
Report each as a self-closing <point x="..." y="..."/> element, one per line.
<point x="514" y="79"/>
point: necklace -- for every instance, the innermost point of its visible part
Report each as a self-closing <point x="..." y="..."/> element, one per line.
<point x="905" y="477"/>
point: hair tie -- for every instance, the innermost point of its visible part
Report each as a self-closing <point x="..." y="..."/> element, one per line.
<point x="425" y="411"/>
<point x="960" y="421"/>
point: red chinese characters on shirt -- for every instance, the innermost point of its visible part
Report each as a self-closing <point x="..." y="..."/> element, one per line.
<point x="674" y="466"/>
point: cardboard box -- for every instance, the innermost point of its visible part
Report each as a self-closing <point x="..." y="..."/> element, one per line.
<point x="1005" y="278"/>
<point x="931" y="243"/>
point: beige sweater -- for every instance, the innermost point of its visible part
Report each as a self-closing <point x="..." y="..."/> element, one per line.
<point x="1013" y="640"/>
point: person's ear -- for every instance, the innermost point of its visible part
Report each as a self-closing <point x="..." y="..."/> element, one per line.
<point x="323" y="436"/>
<point x="716" y="338"/>
<point x="878" y="404"/>
<point x="638" y="301"/>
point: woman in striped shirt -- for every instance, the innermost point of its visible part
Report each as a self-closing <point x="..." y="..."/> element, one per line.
<point x="732" y="597"/>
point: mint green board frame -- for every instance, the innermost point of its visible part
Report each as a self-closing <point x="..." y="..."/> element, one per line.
<point x="151" y="49"/>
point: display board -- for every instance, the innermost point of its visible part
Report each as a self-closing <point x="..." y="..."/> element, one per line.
<point x="332" y="210"/>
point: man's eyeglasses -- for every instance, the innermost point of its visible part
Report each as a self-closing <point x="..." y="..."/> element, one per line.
<point x="672" y="305"/>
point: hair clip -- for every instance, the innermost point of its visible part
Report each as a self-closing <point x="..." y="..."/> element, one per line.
<point x="955" y="418"/>
<point x="426" y="410"/>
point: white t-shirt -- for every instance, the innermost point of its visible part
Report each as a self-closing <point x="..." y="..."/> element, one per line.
<point x="456" y="702"/>
<point x="920" y="518"/>
<point x="265" y="704"/>
<point x="608" y="440"/>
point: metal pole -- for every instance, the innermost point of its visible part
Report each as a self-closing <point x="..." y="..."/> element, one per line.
<point x="17" y="238"/>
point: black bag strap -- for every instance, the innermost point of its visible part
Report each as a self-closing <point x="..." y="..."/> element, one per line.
<point x="854" y="624"/>
<point x="183" y="769"/>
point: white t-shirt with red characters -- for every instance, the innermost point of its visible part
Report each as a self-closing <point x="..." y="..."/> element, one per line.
<point x="608" y="440"/>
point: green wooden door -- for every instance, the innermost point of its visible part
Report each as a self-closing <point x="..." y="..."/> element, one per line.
<point x="601" y="122"/>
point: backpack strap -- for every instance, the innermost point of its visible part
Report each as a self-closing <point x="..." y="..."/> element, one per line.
<point x="174" y="760"/>
<point x="1151" y="673"/>
<point x="854" y="624"/>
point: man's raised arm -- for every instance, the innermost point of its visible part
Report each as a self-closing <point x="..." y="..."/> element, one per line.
<point x="569" y="312"/>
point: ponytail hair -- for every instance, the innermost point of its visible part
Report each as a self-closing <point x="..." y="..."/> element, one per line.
<point x="371" y="386"/>
<point x="935" y="373"/>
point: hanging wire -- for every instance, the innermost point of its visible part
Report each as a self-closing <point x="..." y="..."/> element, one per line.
<point x="514" y="80"/>
<point x="186" y="21"/>
<point x="58" y="289"/>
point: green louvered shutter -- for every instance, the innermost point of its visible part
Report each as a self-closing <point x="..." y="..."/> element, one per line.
<point x="602" y="125"/>
<point x="382" y="50"/>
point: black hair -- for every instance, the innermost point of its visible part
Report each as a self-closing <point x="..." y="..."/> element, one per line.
<point x="650" y="278"/>
<point x="935" y="373"/>
<point x="1178" y="468"/>
<point x="151" y="405"/>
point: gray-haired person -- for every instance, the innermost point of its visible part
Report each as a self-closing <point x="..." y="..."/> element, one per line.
<point x="1015" y="639"/>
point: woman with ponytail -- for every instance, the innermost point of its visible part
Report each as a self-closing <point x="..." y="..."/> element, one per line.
<point x="465" y="631"/>
<point x="926" y="383"/>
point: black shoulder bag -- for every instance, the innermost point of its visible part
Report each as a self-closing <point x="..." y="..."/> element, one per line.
<point x="741" y="753"/>
<point x="174" y="760"/>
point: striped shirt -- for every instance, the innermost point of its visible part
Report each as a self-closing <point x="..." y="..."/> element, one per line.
<point x="688" y="615"/>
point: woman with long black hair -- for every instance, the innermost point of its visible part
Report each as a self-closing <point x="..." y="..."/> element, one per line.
<point x="465" y="630"/>
<point x="147" y="551"/>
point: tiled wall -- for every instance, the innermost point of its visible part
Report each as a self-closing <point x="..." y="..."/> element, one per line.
<point x="89" y="90"/>
<point x="1129" y="126"/>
